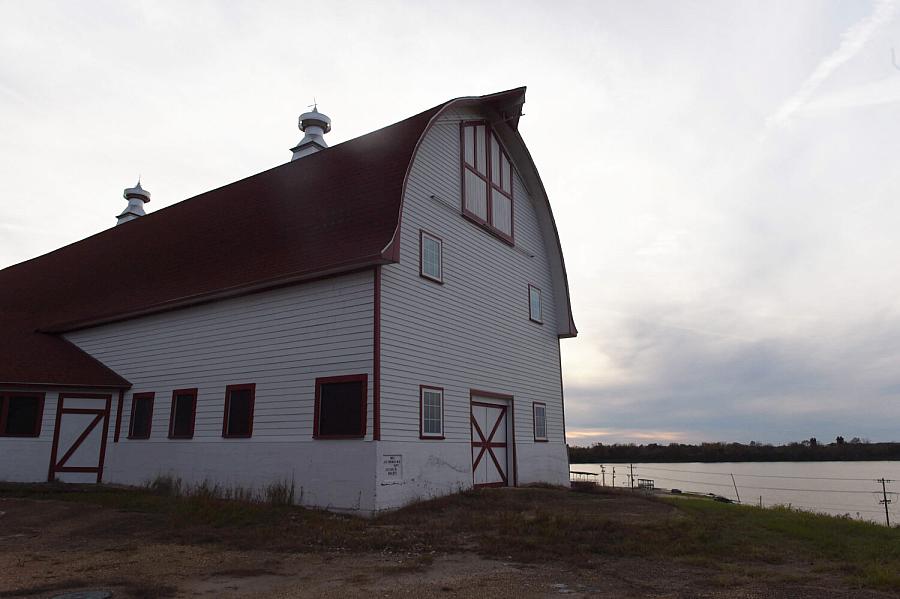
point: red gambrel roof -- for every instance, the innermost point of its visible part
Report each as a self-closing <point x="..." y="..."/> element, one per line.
<point x="333" y="211"/>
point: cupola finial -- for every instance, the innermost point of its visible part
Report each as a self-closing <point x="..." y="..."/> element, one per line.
<point x="137" y="196"/>
<point x="314" y="125"/>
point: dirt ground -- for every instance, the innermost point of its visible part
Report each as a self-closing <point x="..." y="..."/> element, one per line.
<point x="48" y="547"/>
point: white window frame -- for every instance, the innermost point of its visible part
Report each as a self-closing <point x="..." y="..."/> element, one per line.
<point x="539" y="318"/>
<point x="543" y="421"/>
<point x="423" y="389"/>
<point x="423" y="235"/>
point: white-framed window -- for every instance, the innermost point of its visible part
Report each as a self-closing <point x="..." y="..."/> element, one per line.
<point x="487" y="180"/>
<point x="431" y="406"/>
<point x="431" y="259"/>
<point x="540" y="421"/>
<point x="535" y="309"/>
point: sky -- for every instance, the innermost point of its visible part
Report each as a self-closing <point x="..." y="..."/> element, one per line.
<point x="725" y="176"/>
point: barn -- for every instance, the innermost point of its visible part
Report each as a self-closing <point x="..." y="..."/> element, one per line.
<point x="371" y="323"/>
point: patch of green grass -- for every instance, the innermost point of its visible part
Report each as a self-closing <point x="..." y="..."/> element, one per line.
<point x="867" y="553"/>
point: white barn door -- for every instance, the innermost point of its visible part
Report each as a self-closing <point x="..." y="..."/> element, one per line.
<point x="492" y="442"/>
<point x="79" y="441"/>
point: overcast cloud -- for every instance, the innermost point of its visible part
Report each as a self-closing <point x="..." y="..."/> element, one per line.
<point x="725" y="176"/>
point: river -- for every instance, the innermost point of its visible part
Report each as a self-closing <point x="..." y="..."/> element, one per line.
<point x="835" y="488"/>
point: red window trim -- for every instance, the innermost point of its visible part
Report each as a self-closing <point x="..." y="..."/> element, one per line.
<point x="134" y="399"/>
<point x="347" y="378"/>
<point x="228" y="390"/>
<point x="176" y="393"/>
<point x="422" y="434"/>
<point x="540" y="299"/>
<point x="422" y="234"/>
<point x="546" y="437"/>
<point x="486" y="224"/>
<point x="4" y="412"/>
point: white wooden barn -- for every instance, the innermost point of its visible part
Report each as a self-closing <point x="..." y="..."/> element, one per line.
<point x="375" y="323"/>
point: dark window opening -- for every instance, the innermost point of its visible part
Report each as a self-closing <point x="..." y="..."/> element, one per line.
<point x="341" y="407"/>
<point x="141" y="416"/>
<point x="239" y="411"/>
<point x="184" y="407"/>
<point x="20" y="414"/>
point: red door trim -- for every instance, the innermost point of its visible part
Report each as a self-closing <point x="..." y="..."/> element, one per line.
<point x="376" y="357"/>
<point x="119" y="415"/>
<point x="101" y="414"/>
<point x="485" y="443"/>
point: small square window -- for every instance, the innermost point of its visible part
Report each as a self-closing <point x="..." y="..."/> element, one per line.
<point x="20" y="414"/>
<point x="431" y="408"/>
<point x="431" y="264"/>
<point x="181" y="419"/>
<point x="540" y="421"/>
<point x="535" y="309"/>
<point x="340" y="411"/>
<point x="239" y="400"/>
<point x="141" y="416"/>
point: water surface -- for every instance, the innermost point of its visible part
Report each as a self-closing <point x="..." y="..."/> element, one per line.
<point x="830" y="487"/>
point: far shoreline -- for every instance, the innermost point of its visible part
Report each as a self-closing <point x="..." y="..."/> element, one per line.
<point x="718" y="453"/>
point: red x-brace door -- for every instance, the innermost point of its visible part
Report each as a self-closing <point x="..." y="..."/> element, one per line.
<point x="490" y="449"/>
<point x="79" y="441"/>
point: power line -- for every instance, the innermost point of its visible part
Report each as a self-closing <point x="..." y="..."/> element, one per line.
<point x="757" y="475"/>
<point x="697" y="482"/>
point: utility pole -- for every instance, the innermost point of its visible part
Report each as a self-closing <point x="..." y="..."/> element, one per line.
<point x="631" y="476"/>
<point x="614" y="476"/>
<point x="885" y="501"/>
<point x="603" y="474"/>
<point x="738" y="495"/>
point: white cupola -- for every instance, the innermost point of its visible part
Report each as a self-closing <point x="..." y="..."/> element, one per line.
<point x="137" y="196"/>
<point x="314" y="125"/>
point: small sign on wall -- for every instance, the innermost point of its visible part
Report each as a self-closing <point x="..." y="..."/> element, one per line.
<point x="392" y="469"/>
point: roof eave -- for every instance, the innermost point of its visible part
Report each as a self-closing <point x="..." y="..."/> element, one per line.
<point x="221" y="294"/>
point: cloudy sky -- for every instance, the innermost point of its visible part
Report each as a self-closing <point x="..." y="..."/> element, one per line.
<point x="725" y="175"/>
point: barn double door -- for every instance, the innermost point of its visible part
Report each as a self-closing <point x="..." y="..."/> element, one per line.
<point x="492" y="442"/>
<point x="79" y="441"/>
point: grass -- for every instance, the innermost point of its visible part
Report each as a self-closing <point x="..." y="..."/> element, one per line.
<point x="867" y="554"/>
<point x="578" y="527"/>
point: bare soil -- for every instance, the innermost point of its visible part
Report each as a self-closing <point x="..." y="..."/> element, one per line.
<point x="142" y="549"/>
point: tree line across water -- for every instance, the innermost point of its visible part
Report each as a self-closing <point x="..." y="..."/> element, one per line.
<point x="809" y="450"/>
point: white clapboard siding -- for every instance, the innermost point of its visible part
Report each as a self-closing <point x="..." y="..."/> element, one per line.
<point x="281" y="340"/>
<point x="472" y="332"/>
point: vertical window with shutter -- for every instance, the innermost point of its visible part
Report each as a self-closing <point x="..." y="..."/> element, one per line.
<point x="141" y="416"/>
<point x="239" y="403"/>
<point x="183" y="413"/>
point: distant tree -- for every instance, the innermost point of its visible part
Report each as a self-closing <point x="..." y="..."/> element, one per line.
<point x="808" y="450"/>
<point x="839" y="440"/>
